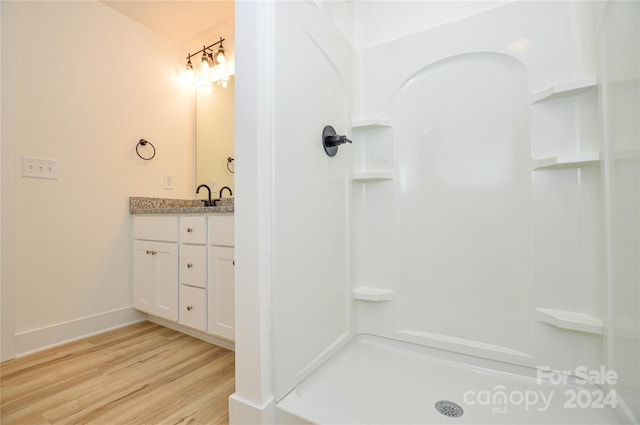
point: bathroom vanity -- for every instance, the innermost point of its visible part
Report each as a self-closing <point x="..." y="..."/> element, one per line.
<point x="183" y="266"/>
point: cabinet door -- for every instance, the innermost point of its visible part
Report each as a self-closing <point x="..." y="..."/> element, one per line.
<point x="221" y="295"/>
<point x="166" y="281"/>
<point x="155" y="280"/>
<point x="144" y="266"/>
<point x="221" y="230"/>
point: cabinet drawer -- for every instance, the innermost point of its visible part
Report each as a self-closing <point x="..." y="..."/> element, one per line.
<point x="193" y="307"/>
<point x="193" y="265"/>
<point x="193" y="230"/>
<point x="155" y="228"/>
<point x="221" y="229"/>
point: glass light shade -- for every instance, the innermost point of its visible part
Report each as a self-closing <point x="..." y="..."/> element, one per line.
<point x="220" y="57"/>
<point x="205" y="65"/>
<point x="189" y="75"/>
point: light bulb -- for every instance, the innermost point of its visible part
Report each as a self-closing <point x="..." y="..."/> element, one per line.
<point x="205" y="63"/>
<point x="189" y="74"/>
<point x="220" y="58"/>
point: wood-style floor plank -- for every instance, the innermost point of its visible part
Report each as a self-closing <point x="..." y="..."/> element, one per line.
<point x="139" y="374"/>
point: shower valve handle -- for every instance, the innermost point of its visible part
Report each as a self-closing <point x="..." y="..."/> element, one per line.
<point x="331" y="140"/>
<point x="336" y="140"/>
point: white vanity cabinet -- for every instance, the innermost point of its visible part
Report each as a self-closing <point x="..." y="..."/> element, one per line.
<point x="184" y="270"/>
<point x="221" y="299"/>
<point x="155" y="266"/>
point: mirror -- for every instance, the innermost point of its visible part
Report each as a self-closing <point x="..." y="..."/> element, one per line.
<point x="215" y="138"/>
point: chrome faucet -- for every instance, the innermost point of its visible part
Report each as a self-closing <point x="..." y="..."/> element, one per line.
<point x="222" y="189"/>
<point x="208" y="202"/>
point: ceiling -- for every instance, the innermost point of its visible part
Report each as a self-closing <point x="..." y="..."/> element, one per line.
<point x="182" y="22"/>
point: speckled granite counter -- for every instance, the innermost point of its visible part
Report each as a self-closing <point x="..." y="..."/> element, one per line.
<point x="140" y="205"/>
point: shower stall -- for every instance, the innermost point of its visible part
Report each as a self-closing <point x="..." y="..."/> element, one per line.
<point x="479" y="240"/>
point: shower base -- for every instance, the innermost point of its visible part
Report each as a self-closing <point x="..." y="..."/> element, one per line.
<point x="374" y="380"/>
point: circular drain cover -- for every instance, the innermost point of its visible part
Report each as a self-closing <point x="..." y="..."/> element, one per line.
<point x="449" y="408"/>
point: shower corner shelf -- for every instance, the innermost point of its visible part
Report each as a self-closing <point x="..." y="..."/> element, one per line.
<point x="371" y="176"/>
<point x="570" y="320"/>
<point x="559" y="91"/>
<point x="370" y="123"/>
<point x="368" y="293"/>
<point x="575" y="160"/>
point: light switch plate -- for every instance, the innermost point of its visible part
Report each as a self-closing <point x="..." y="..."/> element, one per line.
<point x="39" y="168"/>
<point x="168" y="182"/>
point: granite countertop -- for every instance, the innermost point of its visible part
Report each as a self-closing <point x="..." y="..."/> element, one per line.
<point x="141" y="205"/>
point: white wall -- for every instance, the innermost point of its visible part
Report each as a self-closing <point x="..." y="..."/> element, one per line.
<point x="252" y="401"/>
<point x="89" y="83"/>
<point x="7" y="214"/>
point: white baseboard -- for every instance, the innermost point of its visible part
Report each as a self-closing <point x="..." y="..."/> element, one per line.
<point x="35" y="340"/>
<point x="229" y="345"/>
<point x="245" y="412"/>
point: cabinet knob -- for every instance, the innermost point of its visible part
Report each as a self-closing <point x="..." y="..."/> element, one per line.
<point x="189" y="307"/>
<point x="151" y="252"/>
<point x="189" y="230"/>
<point x="234" y="262"/>
<point x="189" y="265"/>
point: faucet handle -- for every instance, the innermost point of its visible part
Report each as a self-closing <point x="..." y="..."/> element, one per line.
<point x="331" y="140"/>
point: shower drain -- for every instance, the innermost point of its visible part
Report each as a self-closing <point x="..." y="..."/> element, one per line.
<point x="449" y="408"/>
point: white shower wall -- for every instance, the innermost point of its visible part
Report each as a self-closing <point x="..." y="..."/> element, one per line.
<point x="620" y="69"/>
<point x="477" y="239"/>
<point x="310" y="296"/>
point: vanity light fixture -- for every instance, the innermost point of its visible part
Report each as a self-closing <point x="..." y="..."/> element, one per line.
<point x="213" y="68"/>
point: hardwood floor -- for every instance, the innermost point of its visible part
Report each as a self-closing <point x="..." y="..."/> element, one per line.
<point x="139" y="374"/>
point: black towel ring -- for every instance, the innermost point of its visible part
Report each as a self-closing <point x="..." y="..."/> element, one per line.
<point x="143" y="142"/>
<point x="229" y="161"/>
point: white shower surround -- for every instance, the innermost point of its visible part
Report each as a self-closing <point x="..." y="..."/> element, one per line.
<point x="499" y="255"/>
<point x="470" y="237"/>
